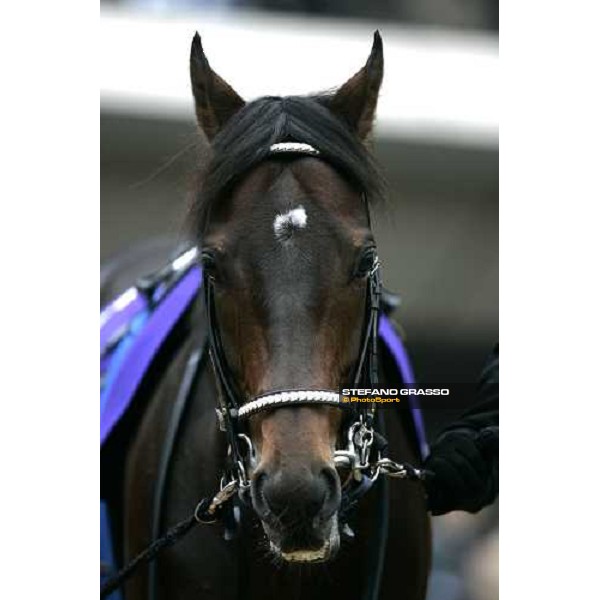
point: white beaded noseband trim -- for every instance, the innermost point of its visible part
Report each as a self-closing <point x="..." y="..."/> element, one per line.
<point x="279" y="399"/>
<point x="293" y="148"/>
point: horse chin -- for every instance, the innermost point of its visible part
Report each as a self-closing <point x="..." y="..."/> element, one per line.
<point x="312" y="555"/>
<point x="308" y="556"/>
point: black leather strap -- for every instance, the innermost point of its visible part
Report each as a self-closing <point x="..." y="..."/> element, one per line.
<point x="193" y="367"/>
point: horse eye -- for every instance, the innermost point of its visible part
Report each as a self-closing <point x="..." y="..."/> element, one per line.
<point x="207" y="258"/>
<point x="365" y="263"/>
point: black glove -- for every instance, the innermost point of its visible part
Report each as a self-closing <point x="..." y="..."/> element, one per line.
<point x="464" y="470"/>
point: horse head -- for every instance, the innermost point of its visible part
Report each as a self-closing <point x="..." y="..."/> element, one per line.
<point x="287" y="250"/>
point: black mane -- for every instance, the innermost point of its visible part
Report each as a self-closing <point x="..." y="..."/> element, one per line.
<point x="246" y="138"/>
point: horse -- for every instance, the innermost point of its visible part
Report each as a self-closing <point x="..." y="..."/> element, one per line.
<point x="280" y="221"/>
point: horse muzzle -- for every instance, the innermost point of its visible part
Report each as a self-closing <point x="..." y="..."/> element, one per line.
<point x="298" y="510"/>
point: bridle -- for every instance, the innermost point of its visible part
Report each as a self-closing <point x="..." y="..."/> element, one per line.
<point x="233" y="412"/>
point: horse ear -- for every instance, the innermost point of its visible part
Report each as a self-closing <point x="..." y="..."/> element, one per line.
<point x="216" y="101"/>
<point x="356" y="100"/>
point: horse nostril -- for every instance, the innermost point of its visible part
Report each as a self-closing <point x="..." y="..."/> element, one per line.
<point x="257" y="487"/>
<point x="333" y="495"/>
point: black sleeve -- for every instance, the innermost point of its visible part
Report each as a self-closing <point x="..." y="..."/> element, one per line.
<point x="463" y="462"/>
<point x="485" y="412"/>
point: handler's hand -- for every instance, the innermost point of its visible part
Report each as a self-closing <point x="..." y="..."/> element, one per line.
<point x="464" y="463"/>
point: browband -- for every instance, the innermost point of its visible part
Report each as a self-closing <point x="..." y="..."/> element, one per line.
<point x="293" y="148"/>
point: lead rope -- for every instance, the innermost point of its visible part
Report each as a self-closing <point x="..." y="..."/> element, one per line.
<point x="175" y="533"/>
<point x="206" y="512"/>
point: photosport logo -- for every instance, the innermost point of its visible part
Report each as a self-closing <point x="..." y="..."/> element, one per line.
<point x="408" y="396"/>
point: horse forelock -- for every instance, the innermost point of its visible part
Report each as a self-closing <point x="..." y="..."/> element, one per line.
<point x="246" y="139"/>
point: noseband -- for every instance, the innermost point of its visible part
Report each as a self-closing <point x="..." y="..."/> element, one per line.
<point x="234" y="410"/>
